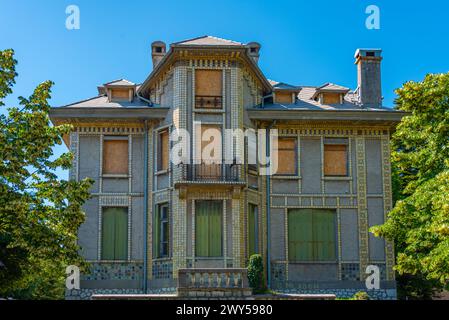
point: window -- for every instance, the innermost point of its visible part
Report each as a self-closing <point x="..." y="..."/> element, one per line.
<point x="209" y="151"/>
<point x="115" y="155"/>
<point x="161" y="233"/>
<point x="283" y="97"/>
<point x="331" y="98"/>
<point x="120" y="94"/>
<point x="287" y="160"/>
<point x="311" y="235"/>
<point x="114" y="234"/>
<point x="163" y="151"/>
<point x="208" y="89"/>
<point x="252" y="151"/>
<point x="252" y="229"/>
<point x="208" y="228"/>
<point x="335" y="158"/>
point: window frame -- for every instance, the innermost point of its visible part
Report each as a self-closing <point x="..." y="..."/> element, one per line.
<point x="109" y="138"/>
<point x="337" y="142"/>
<point x="159" y="231"/>
<point x="296" y="152"/>
<point x="161" y="166"/>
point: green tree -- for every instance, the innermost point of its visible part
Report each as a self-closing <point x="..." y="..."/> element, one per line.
<point x="419" y="221"/>
<point x="39" y="213"/>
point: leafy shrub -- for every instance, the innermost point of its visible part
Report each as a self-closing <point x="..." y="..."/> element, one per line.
<point x="256" y="273"/>
<point x="361" y="295"/>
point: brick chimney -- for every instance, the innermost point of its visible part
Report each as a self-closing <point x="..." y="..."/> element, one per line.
<point x="368" y="77"/>
<point x="157" y="52"/>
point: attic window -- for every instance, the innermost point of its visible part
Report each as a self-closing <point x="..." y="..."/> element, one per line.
<point x="158" y="49"/>
<point x="120" y="94"/>
<point x="331" y="98"/>
<point x="370" y="54"/>
<point x="253" y="50"/>
<point x="283" y="97"/>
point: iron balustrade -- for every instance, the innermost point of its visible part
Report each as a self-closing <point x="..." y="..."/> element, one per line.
<point x="208" y="102"/>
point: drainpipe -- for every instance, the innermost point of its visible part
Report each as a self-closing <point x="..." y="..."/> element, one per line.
<point x="145" y="209"/>
<point x="268" y="189"/>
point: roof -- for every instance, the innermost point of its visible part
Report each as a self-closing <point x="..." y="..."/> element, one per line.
<point x="283" y="86"/>
<point x="120" y="83"/>
<point x="305" y="101"/>
<point x="102" y="102"/>
<point x="332" y="87"/>
<point x="209" y="40"/>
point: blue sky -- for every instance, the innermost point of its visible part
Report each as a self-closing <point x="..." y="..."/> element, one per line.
<point x="303" y="42"/>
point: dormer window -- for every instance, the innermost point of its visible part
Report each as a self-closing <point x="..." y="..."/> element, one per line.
<point x="330" y="94"/>
<point x="119" y="90"/>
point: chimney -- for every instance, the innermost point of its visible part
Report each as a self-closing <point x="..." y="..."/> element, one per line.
<point x="368" y="77"/>
<point x="157" y="52"/>
<point x="253" y="49"/>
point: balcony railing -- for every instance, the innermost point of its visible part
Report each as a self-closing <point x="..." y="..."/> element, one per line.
<point x="213" y="278"/>
<point x="215" y="172"/>
<point x="208" y="102"/>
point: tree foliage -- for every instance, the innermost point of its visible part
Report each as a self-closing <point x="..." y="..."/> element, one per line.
<point x="39" y="212"/>
<point x="419" y="222"/>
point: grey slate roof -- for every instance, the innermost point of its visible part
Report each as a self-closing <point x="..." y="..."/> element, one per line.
<point x="332" y="87"/>
<point x="209" y="40"/>
<point x="120" y="83"/>
<point x="283" y="85"/>
<point x="102" y="102"/>
<point x="305" y="101"/>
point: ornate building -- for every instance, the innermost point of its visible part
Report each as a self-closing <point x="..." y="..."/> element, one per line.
<point x="148" y="217"/>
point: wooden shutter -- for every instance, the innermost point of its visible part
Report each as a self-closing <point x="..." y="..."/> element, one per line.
<point x="115" y="156"/>
<point x="252" y="229"/>
<point x="311" y="235"/>
<point x="324" y="235"/>
<point x="209" y="229"/>
<point x="208" y="83"/>
<point x="114" y="234"/>
<point x="300" y="237"/>
<point x="287" y="160"/>
<point x="335" y="160"/>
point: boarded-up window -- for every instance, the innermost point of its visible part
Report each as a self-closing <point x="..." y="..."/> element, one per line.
<point x="208" y="83"/>
<point x="164" y="151"/>
<point x="209" y="151"/>
<point x="283" y="97"/>
<point x="287" y="156"/>
<point x="120" y="94"/>
<point x="208" y="89"/>
<point x="331" y="98"/>
<point x="115" y="155"/>
<point x="335" y="160"/>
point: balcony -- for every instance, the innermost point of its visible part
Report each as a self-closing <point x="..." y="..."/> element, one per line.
<point x="214" y="173"/>
<point x="208" y="102"/>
